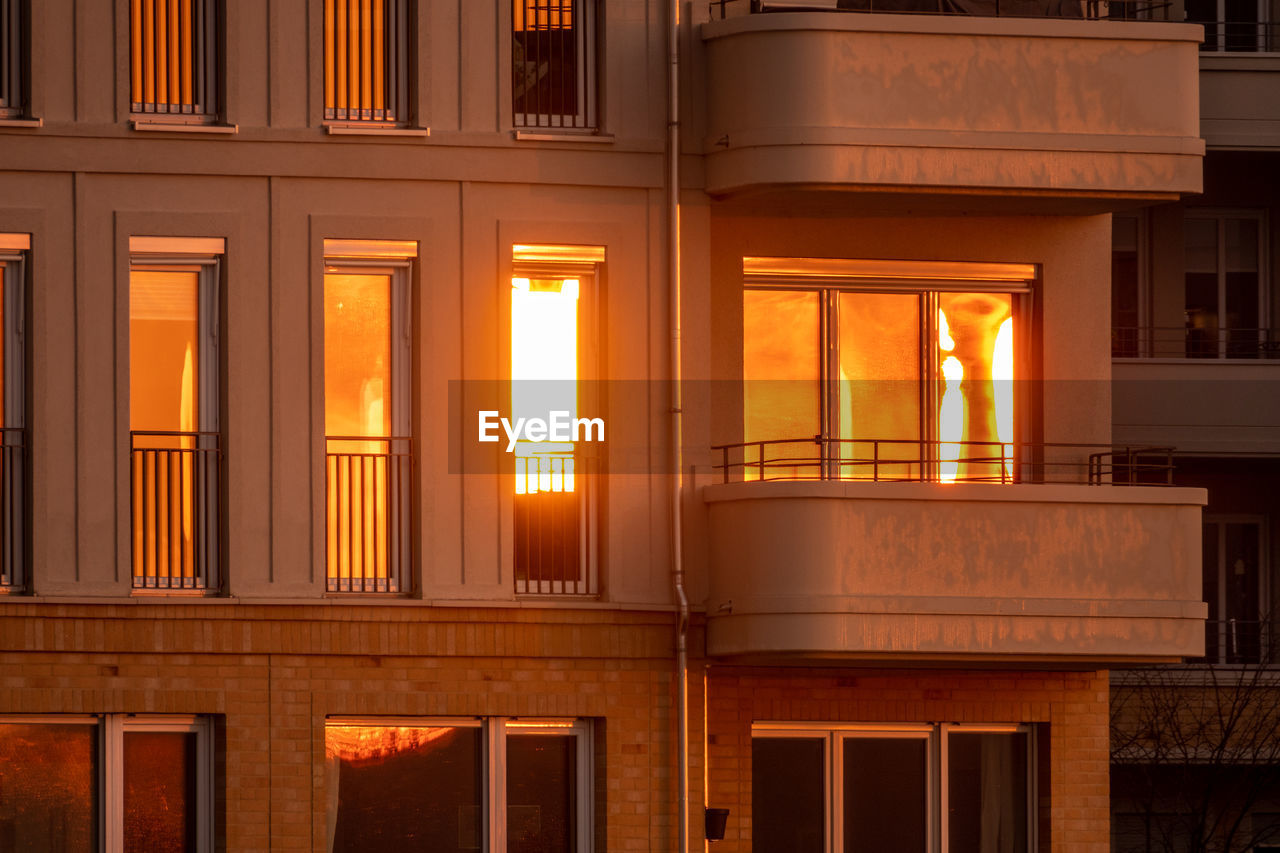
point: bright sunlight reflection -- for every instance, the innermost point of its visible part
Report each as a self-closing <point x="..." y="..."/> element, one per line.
<point x="544" y="346"/>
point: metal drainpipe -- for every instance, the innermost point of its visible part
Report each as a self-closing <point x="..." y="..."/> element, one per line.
<point x="677" y="426"/>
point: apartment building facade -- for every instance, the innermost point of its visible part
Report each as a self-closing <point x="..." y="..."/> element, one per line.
<point x="854" y="560"/>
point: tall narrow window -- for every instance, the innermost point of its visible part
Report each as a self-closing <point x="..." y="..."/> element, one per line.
<point x="880" y="371"/>
<point x="555" y="499"/>
<point x="13" y="59"/>
<point x="1235" y="588"/>
<point x="1129" y="337"/>
<point x="553" y="64"/>
<point x="1226" y="300"/>
<point x="13" y="444"/>
<point x="367" y="411"/>
<point x="174" y="413"/>
<point x="368" y="61"/>
<point x="174" y="48"/>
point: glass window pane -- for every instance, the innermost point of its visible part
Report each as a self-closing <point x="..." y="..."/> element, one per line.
<point x="411" y="788"/>
<point x="879" y="382"/>
<point x="787" y="794"/>
<point x="976" y="375"/>
<point x="885" y="795"/>
<point x="159" y="792"/>
<point x="1125" y="308"/>
<point x="164" y="350"/>
<point x="3" y="344"/>
<point x="987" y="792"/>
<point x="48" y="787"/>
<point x="541" y="793"/>
<point x="781" y="371"/>
<point x="357" y="355"/>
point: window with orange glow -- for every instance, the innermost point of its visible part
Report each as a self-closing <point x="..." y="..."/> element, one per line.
<point x="888" y="383"/>
<point x="173" y="59"/>
<point x="13" y="384"/>
<point x="367" y="61"/>
<point x="368" y="450"/>
<point x="553" y="64"/>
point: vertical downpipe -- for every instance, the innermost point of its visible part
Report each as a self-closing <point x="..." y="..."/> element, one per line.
<point x="677" y="426"/>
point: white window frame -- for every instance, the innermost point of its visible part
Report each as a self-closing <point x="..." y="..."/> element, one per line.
<point x="14" y="251"/>
<point x="1220" y="216"/>
<point x="493" y="829"/>
<point x="110" y="795"/>
<point x="936" y="779"/>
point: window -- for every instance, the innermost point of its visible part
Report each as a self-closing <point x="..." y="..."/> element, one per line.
<point x="119" y="782"/>
<point x="1235" y="588"/>
<point x="174" y="403"/>
<point x="13" y="59"/>
<point x="553" y="298"/>
<point x="368" y="61"/>
<point x="882" y="370"/>
<point x="553" y="64"/>
<point x="498" y="785"/>
<point x="1236" y="25"/>
<point x="1226" y="296"/>
<point x="174" y="50"/>
<point x="367" y="414"/>
<point x="960" y="789"/>
<point x="13" y="386"/>
<point x="1129" y="335"/>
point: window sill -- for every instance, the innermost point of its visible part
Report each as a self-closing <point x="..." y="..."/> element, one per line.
<point x="549" y="135"/>
<point x="21" y="122"/>
<point x="365" y="130"/>
<point x="180" y="127"/>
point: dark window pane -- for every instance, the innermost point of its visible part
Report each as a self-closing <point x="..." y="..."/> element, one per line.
<point x="1209" y="560"/>
<point x="987" y="792"/>
<point x="159" y="792"/>
<point x="48" y="787"/>
<point x="885" y="806"/>
<point x="542" y="781"/>
<point x="403" y="788"/>
<point x="787" y="795"/>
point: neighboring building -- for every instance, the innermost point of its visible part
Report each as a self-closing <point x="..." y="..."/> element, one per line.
<point x="265" y="264"/>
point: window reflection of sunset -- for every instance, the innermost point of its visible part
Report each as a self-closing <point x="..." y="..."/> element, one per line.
<point x="544" y="367"/>
<point x="975" y="350"/>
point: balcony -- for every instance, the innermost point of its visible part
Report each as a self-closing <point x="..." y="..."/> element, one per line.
<point x="869" y="551"/>
<point x="1090" y="113"/>
<point x="177" y="510"/>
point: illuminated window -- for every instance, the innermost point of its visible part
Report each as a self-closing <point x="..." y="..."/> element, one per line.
<point x="13" y="59"/>
<point x="174" y="48"/>
<point x="367" y="410"/>
<point x="1226" y="302"/>
<point x="174" y="412"/>
<point x="553" y="64"/>
<point x="117" y="782"/>
<point x="368" y="61"/>
<point x="552" y="304"/>
<point x="488" y="785"/>
<point x="881" y="371"/>
<point x="906" y="788"/>
<point x="13" y="455"/>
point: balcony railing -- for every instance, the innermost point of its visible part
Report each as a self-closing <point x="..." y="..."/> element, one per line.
<point x="368" y="513"/>
<point x="1239" y="641"/>
<point x="910" y="460"/>
<point x="556" y="517"/>
<point x="1185" y="342"/>
<point x="1240" y="36"/>
<point x="1146" y="10"/>
<point x="13" y="479"/>
<point x="177" y="506"/>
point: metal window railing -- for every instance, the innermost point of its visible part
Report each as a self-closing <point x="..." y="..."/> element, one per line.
<point x="368" y="513"/>
<point x="1238" y="641"/>
<point x="1240" y="36"/>
<point x="13" y="482"/>
<point x="173" y="64"/>
<point x="1189" y="342"/>
<point x="555" y="525"/>
<point x="553" y="64"/>
<point x="177" y="507"/>
<point x="12" y="58"/>
<point x="910" y="460"/>
<point x="367" y="61"/>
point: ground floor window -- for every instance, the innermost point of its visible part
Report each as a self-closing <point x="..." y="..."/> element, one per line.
<point x="960" y="789"/>
<point x="501" y="784"/>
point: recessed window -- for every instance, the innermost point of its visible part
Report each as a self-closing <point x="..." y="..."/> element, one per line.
<point x="368" y="61"/>
<point x="117" y="782"/>
<point x="553" y="64"/>
<point x="174" y="403"/>
<point x="174" y="48"/>
<point x="882" y="371"/>
<point x="14" y="250"/>
<point x="553" y="298"/>
<point x="1236" y="25"/>
<point x="961" y="789"/>
<point x="1225" y="298"/>
<point x="13" y="59"/>
<point x="1234" y="560"/>
<point x="367" y="411"/>
<point x="492" y="785"/>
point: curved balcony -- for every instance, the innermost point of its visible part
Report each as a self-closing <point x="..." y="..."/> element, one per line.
<point x="903" y="557"/>
<point x="1097" y="112"/>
